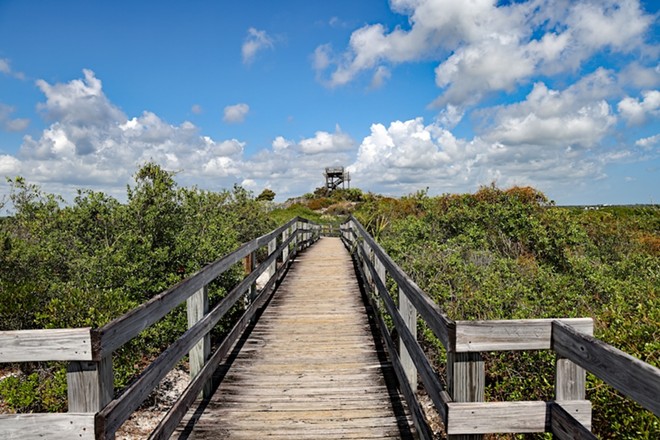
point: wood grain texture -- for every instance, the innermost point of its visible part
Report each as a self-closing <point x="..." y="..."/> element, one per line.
<point x="409" y="315"/>
<point x="436" y="319"/>
<point x="197" y="306"/>
<point x="629" y="375"/>
<point x="426" y="373"/>
<point x="89" y="385"/>
<point x="72" y="344"/>
<point x="512" y="334"/>
<point x="565" y="427"/>
<point x="63" y="426"/>
<point x="124" y="328"/>
<point x="309" y="368"/>
<point x="509" y="417"/>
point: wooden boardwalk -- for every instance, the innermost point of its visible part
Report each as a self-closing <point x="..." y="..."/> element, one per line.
<point x="310" y="368"/>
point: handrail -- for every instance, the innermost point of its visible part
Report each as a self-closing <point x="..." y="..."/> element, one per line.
<point x="94" y="414"/>
<point x="461" y="407"/>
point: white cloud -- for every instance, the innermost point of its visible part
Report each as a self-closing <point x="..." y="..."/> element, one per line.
<point x="9" y="165"/>
<point x="102" y="152"/>
<point x="5" y="67"/>
<point x="637" y="111"/>
<point x="324" y="142"/>
<point x="255" y="42"/>
<point x="197" y="109"/>
<point x="484" y="46"/>
<point x="235" y="114"/>
<point x="91" y="142"/>
<point x="577" y="117"/>
<point x="648" y="142"/>
<point x="9" y="124"/>
<point x="381" y="75"/>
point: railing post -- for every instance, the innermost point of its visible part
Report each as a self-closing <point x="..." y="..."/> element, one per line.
<point x="285" y="251"/>
<point x="89" y="385"/>
<point x="381" y="273"/>
<point x="249" y="263"/>
<point x="272" y="247"/>
<point x="409" y="315"/>
<point x="296" y="238"/>
<point x="198" y="306"/>
<point x="466" y="380"/>
<point x="570" y="380"/>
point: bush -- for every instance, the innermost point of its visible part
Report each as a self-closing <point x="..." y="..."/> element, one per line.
<point x="511" y="254"/>
<point x="86" y="264"/>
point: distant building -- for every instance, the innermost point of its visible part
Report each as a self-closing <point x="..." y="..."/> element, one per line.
<point x="335" y="176"/>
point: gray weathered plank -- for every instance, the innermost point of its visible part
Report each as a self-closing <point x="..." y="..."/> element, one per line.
<point x="197" y="306"/>
<point x="436" y="319"/>
<point x="565" y="427"/>
<point x="509" y="417"/>
<point x="121" y="330"/>
<point x="71" y="344"/>
<point x="632" y="377"/>
<point x="62" y="426"/>
<point x="427" y="375"/>
<point x="89" y="385"/>
<point x="511" y="335"/>
<point x="118" y="410"/>
<point x="312" y="393"/>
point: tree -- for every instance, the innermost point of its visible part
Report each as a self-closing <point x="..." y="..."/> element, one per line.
<point x="267" y="195"/>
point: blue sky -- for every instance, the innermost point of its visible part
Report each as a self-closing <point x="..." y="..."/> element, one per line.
<point x="408" y="94"/>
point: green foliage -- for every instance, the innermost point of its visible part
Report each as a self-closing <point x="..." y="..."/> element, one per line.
<point x="86" y="264"/>
<point x="283" y="215"/>
<point x="267" y="195"/>
<point x="511" y="254"/>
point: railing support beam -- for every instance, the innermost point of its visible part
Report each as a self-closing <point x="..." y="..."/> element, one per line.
<point x="409" y="315"/>
<point x="466" y="379"/>
<point x="198" y="307"/>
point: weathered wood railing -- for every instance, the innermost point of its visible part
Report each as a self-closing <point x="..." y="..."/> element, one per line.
<point x="461" y="406"/>
<point x="94" y="413"/>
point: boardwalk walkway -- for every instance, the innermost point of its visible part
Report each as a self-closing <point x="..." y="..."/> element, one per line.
<point x="310" y="368"/>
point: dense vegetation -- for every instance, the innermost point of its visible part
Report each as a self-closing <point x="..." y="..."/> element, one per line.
<point x="85" y="264"/>
<point x="511" y="254"/>
<point x="494" y="254"/>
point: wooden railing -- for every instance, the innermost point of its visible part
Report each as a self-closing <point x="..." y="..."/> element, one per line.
<point x="94" y="411"/>
<point x="461" y="406"/>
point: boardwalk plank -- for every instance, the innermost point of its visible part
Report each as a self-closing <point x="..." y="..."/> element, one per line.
<point x="310" y="368"/>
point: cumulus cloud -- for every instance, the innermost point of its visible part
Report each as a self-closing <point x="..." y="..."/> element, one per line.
<point x="255" y="42"/>
<point x="486" y="46"/>
<point x="578" y="117"/>
<point x="91" y="142"/>
<point x="637" y="111"/>
<point x="197" y="109"/>
<point x="235" y="114"/>
<point x="551" y="139"/>
<point x="324" y="142"/>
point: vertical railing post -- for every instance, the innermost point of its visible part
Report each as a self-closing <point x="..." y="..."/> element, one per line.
<point x="89" y="385"/>
<point x="409" y="315"/>
<point x="197" y="307"/>
<point x="466" y="380"/>
<point x="570" y="380"/>
<point x="272" y="246"/>
<point x="249" y="263"/>
<point x="285" y="251"/>
<point x="382" y="275"/>
<point x="296" y="227"/>
<point x="366" y="250"/>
